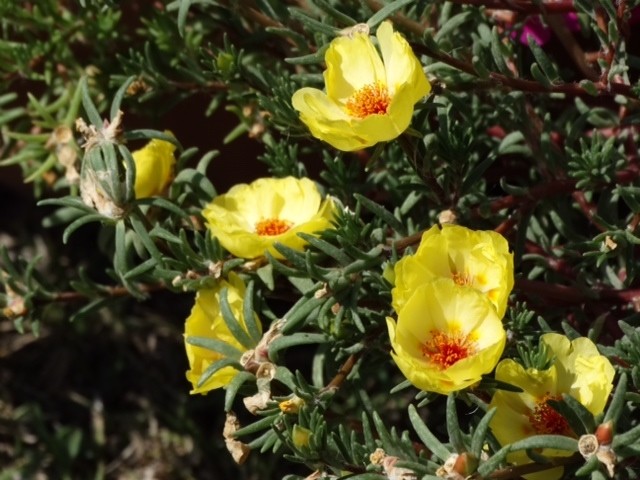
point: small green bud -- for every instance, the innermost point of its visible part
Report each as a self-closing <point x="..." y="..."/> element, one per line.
<point x="224" y="62"/>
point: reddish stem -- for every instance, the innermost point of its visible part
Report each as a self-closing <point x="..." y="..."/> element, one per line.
<point x="566" y="295"/>
<point x="555" y="264"/>
<point x="560" y="6"/>
<point x="588" y="208"/>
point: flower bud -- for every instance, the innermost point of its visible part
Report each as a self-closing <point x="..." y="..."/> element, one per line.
<point x="154" y="167"/>
<point x="291" y="405"/>
<point x="224" y="62"/>
<point x="604" y="433"/>
<point x="101" y="186"/>
<point x="300" y="436"/>
<point x="465" y="464"/>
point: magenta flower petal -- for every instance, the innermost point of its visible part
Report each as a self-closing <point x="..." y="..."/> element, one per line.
<point x="533" y="27"/>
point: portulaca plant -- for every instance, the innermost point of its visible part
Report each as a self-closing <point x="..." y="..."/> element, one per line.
<point x="428" y="269"/>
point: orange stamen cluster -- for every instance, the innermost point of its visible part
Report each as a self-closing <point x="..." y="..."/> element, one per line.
<point x="445" y="349"/>
<point x="372" y="99"/>
<point x="546" y="420"/>
<point x="461" y="279"/>
<point x="272" y="226"/>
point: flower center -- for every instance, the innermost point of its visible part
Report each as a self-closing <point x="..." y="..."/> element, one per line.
<point x="272" y="226"/>
<point x="546" y="420"/>
<point x="445" y="349"/>
<point x="461" y="279"/>
<point x="372" y="99"/>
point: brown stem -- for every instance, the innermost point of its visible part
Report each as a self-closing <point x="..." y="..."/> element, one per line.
<point x="518" y="471"/>
<point x="342" y="374"/>
<point x="552" y="293"/>
<point x="406" y="242"/>
<point x="505" y="227"/>
<point x="70" y="297"/>
<point x="633" y="224"/>
<point x="551" y="189"/>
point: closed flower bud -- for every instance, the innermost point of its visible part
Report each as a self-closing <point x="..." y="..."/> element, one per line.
<point x="154" y="167"/>
<point x="604" y="433"/>
<point x="465" y="464"/>
<point x="300" y="436"/>
<point x="291" y="405"/>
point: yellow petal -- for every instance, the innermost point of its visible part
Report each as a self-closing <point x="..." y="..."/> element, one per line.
<point x="315" y="106"/>
<point x="535" y="383"/>
<point x="401" y="65"/>
<point x="352" y="63"/>
<point x="367" y="101"/>
<point x="154" y="167"/>
<point x="583" y="372"/>
<point x="446" y="337"/>
<point x="235" y="216"/>
<point x="593" y="383"/>
<point x="327" y="121"/>
<point x="578" y="370"/>
<point x="479" y="259"/>
<point x="511" y="421"/>
<point x="305" y="192"/>
<point x="206" y="321"/>
<point x="382" y="128"/>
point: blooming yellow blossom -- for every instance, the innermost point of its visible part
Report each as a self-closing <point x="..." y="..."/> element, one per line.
<point x="447" y="337"/>
<point x="368" y="99"/>
<point x="154" y="167"/>
<point x="479" y="259"/>
<point x="206" y="321"/>
<point x="577" y="370"/>
<point x="249" y="219"/>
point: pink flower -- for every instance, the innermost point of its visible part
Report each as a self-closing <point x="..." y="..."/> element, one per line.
<point x="534" y="27"/>
<point x="541" y="34"/>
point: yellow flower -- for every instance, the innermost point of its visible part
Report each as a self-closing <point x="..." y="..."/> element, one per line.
<point x="368" y="99"/>
<point x="446" y="337"/>
<point x="154" y="167"/>
<point x="249" y="219"/>
<point x="578" y="370"/>
<point x="479" y="259"/>
<point x="291" y="405"/>
<point x="206" y="321"/>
